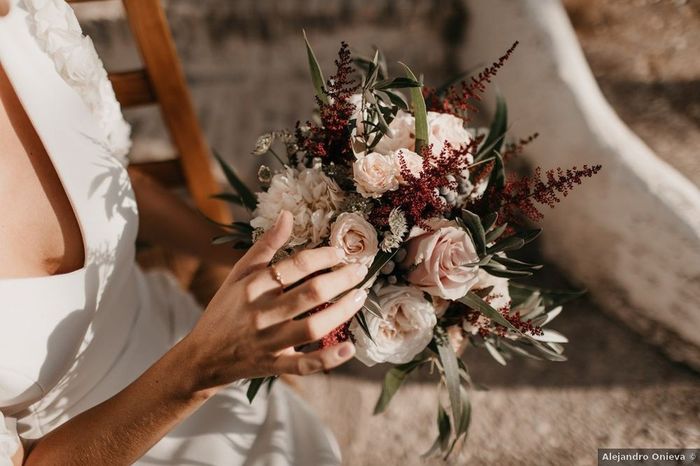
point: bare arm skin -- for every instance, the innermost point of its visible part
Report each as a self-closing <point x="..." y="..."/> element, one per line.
<point x="248" y="330"/>
<point x="166" y="220"/>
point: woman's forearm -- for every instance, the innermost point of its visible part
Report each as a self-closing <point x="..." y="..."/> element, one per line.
<point x="166" y="220"/>
<point x="123" y="428"/>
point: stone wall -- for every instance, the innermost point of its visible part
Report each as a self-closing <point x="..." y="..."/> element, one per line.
<point x="246" y="65"/>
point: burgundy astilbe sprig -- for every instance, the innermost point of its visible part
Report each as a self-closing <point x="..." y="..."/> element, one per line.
<point x="460" y="99"/>
<point x="332" y="139"/>
<point x="516" y="148"/>
<point x="521" y="195"/>
<point x="486" y="327"/>
<point x="418" y="197"/>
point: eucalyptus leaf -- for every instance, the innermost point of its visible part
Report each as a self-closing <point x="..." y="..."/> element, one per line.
<point x="229" y="197"/>
<point x="510" y="243"/>
<point x="247" y="197"/>
<point x="393" y="381"/>
<point x="489" y="220"/>
<point x="551" y="336"/>
<point x="528" y="235"/>
<point x="505" y="273"/>
<point x="475" y="302"/>
<point x="550" y="298"/>
<point x="380" y="260"/>
<point x="463" y="427"/>
<point x="420" y="113"/>
<point x="444" y="433"/>
<point x="397" y="83"/>
<point x="476" y="230"/>
<point x="372" y="306"/>
<point x="362" y="321"/>
<point x="493" y="351"/>
<point x="450" y="366"/>
<point x="514" y="264"/>
<point x="520" y="351"/>
<point x="497" y="131"/>
<point x="396" y="99"/>
<point x="254" y="387"/>
<point x="316" y="73"/>
<point x="496" y="233"/>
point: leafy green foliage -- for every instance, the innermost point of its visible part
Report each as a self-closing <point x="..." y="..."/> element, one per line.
<point x="393" y="380"/>
<point x="246" y="196"/>
<point x="316" y="73"/>
<point x="450" y="368"/>
<point x="420" y="113"/>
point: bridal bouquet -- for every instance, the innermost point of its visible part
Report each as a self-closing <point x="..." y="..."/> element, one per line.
<point x="410" y="189"/>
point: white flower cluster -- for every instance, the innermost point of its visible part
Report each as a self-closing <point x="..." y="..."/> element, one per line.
<point x="58" y="33"/>
<point x="309" y="195"/>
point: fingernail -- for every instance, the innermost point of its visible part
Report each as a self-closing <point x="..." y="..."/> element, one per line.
<point x="345" y="351"/>
<point x="361" y="271"/>
<point x="340" y="252"/>
<point x="360" y="296"/>
<point x="279" y="219"/>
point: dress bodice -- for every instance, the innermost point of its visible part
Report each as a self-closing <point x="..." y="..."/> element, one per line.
<point x="56" y="323"/>
<point x="69" y="342"/>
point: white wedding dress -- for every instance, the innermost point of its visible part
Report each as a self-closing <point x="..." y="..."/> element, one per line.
<point x="69" y="342"/>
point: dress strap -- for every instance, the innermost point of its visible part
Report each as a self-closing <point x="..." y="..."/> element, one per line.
<point x="56" y="29"/>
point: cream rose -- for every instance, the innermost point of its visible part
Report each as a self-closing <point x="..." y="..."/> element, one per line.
<point x="446" y="128"/>
<point x="356" y="237"/>
<point x="438" y="261"/>
<point x="442" y="128"/>
<point x="498" y="297"/>
<point x="405" y="329"/>
<point x="413" y="161"/>
<point x="402" y="134"/>
<point x="375" y="174"/>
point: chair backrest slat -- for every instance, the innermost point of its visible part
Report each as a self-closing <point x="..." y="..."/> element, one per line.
<point x="133" y="88"/>
<point x="163" y="82"/>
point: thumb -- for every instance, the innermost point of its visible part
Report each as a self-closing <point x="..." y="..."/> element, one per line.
<point x="262" y="252"/>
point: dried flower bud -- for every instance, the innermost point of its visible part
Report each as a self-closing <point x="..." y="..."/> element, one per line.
<point x="264" y="175"/>
<point x="263" y="144"/>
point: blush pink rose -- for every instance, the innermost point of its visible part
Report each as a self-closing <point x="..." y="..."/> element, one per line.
<point x="439" y="261"/>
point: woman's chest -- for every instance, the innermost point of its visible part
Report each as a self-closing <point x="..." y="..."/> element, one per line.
<point x="38" y="222"/>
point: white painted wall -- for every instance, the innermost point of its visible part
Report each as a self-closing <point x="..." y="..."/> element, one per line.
<point x="632" y="234"/>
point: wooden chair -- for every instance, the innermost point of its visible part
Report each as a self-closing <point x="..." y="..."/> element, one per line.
<point x="162" y="82"/>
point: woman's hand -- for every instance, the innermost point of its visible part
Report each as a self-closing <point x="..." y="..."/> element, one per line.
<point x="248" y="330"/>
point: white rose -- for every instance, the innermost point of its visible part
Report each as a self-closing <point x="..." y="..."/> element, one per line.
<point x="375" y="174"/>
<point x="413" y="162"/>
<point x="356" y="237"/>
<point x="499" y="296"/>
<point x="402" y="134"/>
<point x="404" y="331"/>
<point x="311" y="197"/>
<point x="438" y="260"/>
<point x="446" y="128"/>
<point x="443" y="128"/>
